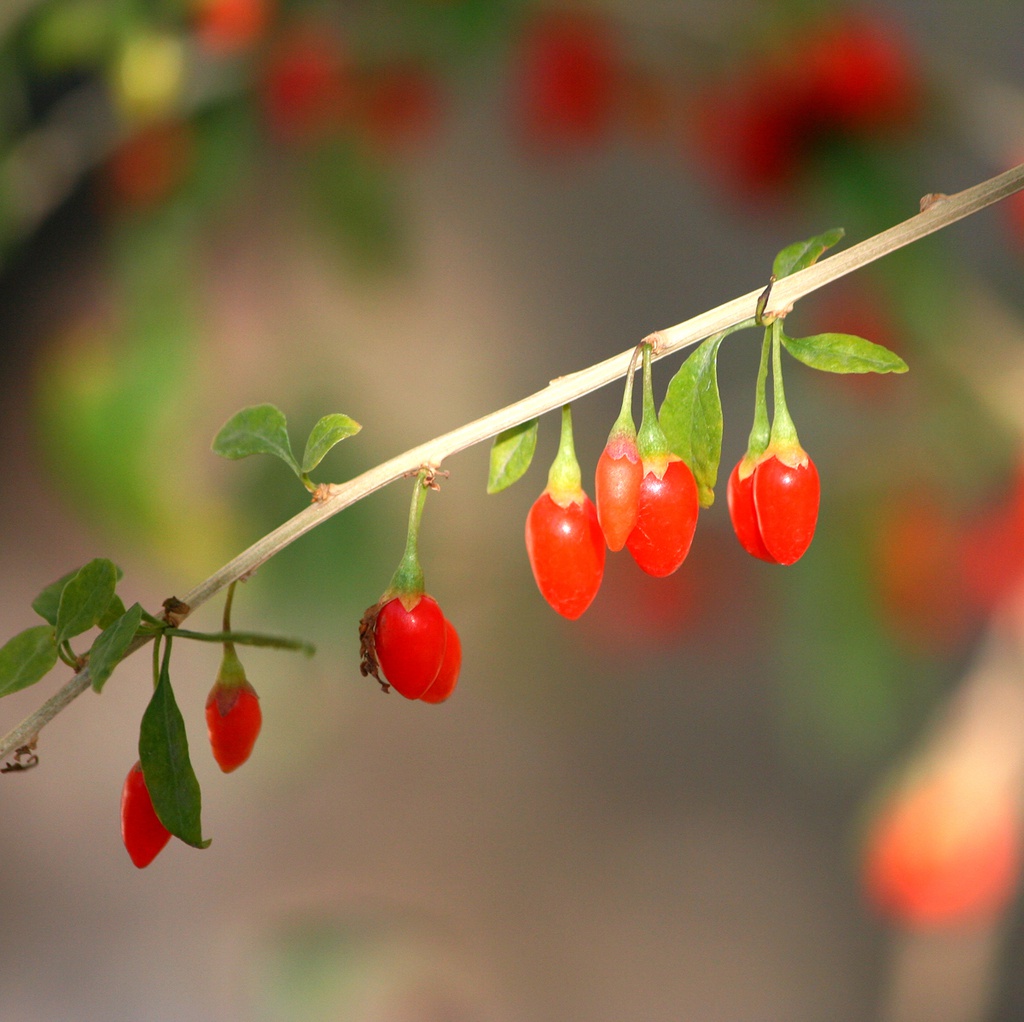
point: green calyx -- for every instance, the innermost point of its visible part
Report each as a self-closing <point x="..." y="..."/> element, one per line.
<point x="231" y="673"/>
<point x="651" y="440"/>
<point x="565" y="481"/>
<point x="407" y="583"/>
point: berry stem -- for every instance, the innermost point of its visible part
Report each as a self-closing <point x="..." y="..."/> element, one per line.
<point x="783" y="434"/>
<point x="651" y="440"/>
<point x="564" y="477"/>
<point x="226" y="620"/>
<point x="760" y="431"/>
<point x="624" y="427"/>
<point x="407" y="580"/>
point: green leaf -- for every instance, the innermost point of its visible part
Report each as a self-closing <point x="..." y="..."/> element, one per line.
<point x="114" y="610"/>
<point x="691" y="416"/>
<point x="25" y="658"/>
<point x="111" y="645"/>
<point x="163" y="752"/>
<point x="47" y="602"/>
<point x="261" y="429"/>
<point x="330" y="430"/>
<point x="843" y="353"/>
<point x="85" y="598"/>
<point x="802" y="254"/>
<point x="511" y="454"/>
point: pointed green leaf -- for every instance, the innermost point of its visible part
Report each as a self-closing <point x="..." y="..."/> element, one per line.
<point x="691" y="416"/>
<point x="843" y="353"/>
<point x="331" y="429"/>
<point x="111" y="645"/>
<point x="163" y="752"/>
<point x="47" y="602"/>
<point x="802" y="254"/>
<point x="511" y="454"/>
<point x="261" y="429"/>
<point x="85" y="598"/>
<point x="26" y="658"/>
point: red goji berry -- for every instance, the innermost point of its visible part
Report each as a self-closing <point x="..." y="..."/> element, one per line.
<point x="143" y="834"/>
<point x="618" y="476"/>
<point x="564" y="541"/>
<point x="410" y="644"/>
<point x="743" y="514"/>
<point x="786" y="498"/>
<point x="233" y="719"/>
<point x="448" y="674"/>
<point x="668" y="502"/>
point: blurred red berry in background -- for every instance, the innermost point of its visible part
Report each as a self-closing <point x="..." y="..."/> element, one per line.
<point x="566" y="76"/>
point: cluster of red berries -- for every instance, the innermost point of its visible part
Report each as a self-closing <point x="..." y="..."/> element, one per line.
<point x="646" y="501"/>
<point x="849" y="76"/>
<point x="233" y="719"/>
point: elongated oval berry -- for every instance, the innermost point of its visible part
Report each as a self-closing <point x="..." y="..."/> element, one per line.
<point x="617" y="489"/>
<point x="143" y="834"/>
<point x="410" y="644"/>
<point x="666" y="518"/>
<point x="786" y="499"/>
<point x="447" y="677"/>
<point x="566" y="548"/>
<point x="233" y="719"/>
<point x="740" y="494"/>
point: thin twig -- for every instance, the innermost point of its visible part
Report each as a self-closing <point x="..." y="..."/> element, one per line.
<point x="332" y="499"/>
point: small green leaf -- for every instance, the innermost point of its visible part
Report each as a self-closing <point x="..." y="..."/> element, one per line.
<point x="111" y="645"/>
<point x="163" y="752"/>
<point x="26" y="658"/>
<point x="114" y="610"/>
<point x="331" y="429"/>
<point x="691" y="416"/>
<point x="802" y="254"/>
<point x="261" y="429"/>
<point x="47" y="602"/>
<point x="511" y="454"/>
<point x="85" y="598"/>
<point x="843" y="353"/>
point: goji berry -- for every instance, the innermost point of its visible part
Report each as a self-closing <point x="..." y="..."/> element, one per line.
<point x="619" y="475"/>
<point x="233" y="719"/>
<point x="228" y="26"/>
<point x="410" y="643"/>
<point x="143" y="834"/>
<point x="405" y="635"/>
<point x="668" y="501"/>
<point x="786" y="498"/>
<point x="564" y="541"/>
<point x="743" y="514"/>
<point x="448" y="674"/>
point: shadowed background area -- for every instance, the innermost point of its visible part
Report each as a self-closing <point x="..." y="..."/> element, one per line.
<point x="703" y="798"/>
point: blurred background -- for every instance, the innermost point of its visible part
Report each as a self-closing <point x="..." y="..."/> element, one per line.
<point x="739" y="793"/>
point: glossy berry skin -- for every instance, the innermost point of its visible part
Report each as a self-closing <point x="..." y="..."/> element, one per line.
<point x="143" y="834"/>
<point x="786" y="499"/>
<point x="233" y="719"/>
<point x="410" y="644"/>
<point x="740" y="494"/>
<point x="447" y="677"/>
<point x="617" y="489"/>
<point x="566" y="548"/>
<point x="666" y="519"/>
<point x="940" y="855"/>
